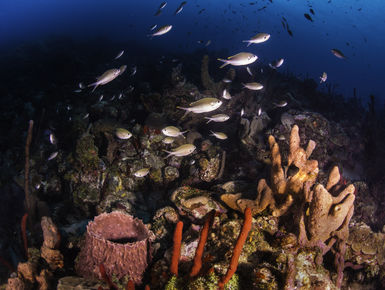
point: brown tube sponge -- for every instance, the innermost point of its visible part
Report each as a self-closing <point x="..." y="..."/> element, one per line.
<point x="118" y="241"/>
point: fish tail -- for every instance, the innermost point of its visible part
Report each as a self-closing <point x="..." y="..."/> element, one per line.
<point x="182" y="108"/>
<point x="95" y="85"/>
<point x="209" y="120"/>
<point x="248" y="44"/>
<point x="225" y="62"/>
<point x="169" y="154"/>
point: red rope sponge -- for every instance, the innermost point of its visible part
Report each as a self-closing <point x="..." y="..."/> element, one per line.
<point x="201" y="245"/>
<point x="238" y="248"/>
<point x="176" y="249"/>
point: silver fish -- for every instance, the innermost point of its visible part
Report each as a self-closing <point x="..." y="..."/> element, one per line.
<point x="249" y="71"/>
<point x="253" y="86"/>
<point x="226" y="95"/>
<point x="133" y="71"/>
<point x="86" y="116"/>
<point x="258" y="38"/>
<point x="226" y="80"/>
<point x="172" y="131"/>
<point x="323" y="78"/>
<point x="162" y="5"/>
<point x="168" y="140"/>
<point x="53" y="156"/>
<point x="162" y="30"/>
<point x="259" y="112"/>
<point x="280" y="104"/>
<point x="242" y="58"/>
<point x="52" y="139"/>
<point x="219" y="135"/>
<point x="203" y="105"/>
<point x="208" y="43"/>
<point x="100" y="98"/>
<point x="142" y="172"/>
<point x="119" y="54"/>
<point x="81" y="85"/>
<point x="77" y="91"/>
<point x="105" y="78"/>
<point x="217" y="118"/>
<point x="277" y="63"/>
<point x="182" y="150"/>
<point x="242" y="112"/>
<point x="123" y="134"/>
<point x="153" y="27"/>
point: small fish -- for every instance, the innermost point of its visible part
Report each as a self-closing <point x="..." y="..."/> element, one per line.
<point x="259" y="112"/>
<point x="280" y="104"/>
<point x="200" y="11"/>
<point x="226" y="80"/>
<point x="161" y="30"/>
<point x="158" y="12"/>
<point x="120" y="96"/>
<point x="142" y="172"/>
<point x="86" y="116"/>
<point x="153" y="27"/>
<point x="323" y="78"/>
<point x="77" y="91"/>
<point x="277" y="63"/>
<point x="208" y="43"/>
<point x="168" y="140"/>
<point x="119" y="54"/>
<point x="133" y="71"/>
<point x="112" y="98"/>
<point x="253" y="86"/>
<point x="130" y="89"/>
<point x="203" y="105"/>
<point x="123" y="134"/>
<point x="218" y="118"/>
<point x="69" y="107"/>
<point x="242" y="112"/>
<point x="52" y="156"/>
<point x="242" y="58"/>
<point x="172" y="131"/>
<point x="311" y="11"/>
<point x="105" y="78"/>
<point x="180" y="8"/>
<point x="258" y="38"/>
<point x="308" y="17"/>
<point x="226" y="95"/>
<point x="82" y="86"/>
<point x="249" y="71"/>
<point x="101" y="98"/>
<point x="52" y="139"/>
<point x="182" y="150"/>
<point x="219" y="135"/>
<point x="122" y="69"/>
<point x="338" y="53"/>
<point x="162" y="5"/>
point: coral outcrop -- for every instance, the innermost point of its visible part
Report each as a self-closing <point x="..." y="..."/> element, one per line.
<point x="118" y="241"/>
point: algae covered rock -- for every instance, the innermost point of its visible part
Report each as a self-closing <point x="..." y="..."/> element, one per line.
<point x="196" y="203"/>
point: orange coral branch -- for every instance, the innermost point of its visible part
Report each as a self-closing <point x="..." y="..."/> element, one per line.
<point x="24" y="233"/>
<point x="201" y="245"/>
<point x="105" y="277"/>
<point x="238" y="248"/>
<point x="176" y="250"/>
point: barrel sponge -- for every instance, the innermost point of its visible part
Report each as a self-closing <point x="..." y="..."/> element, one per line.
<point x="118" y="241"/>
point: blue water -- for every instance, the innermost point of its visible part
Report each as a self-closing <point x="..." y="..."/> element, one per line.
<point x="355" y="27"/>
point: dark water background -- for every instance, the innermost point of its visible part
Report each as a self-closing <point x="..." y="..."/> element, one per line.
<point x="355" y="27"/>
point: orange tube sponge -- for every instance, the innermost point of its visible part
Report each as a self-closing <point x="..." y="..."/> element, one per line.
<point x="176" y="250"/>
<point x="238" y="248"/>
<point x="201" y="245"/>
